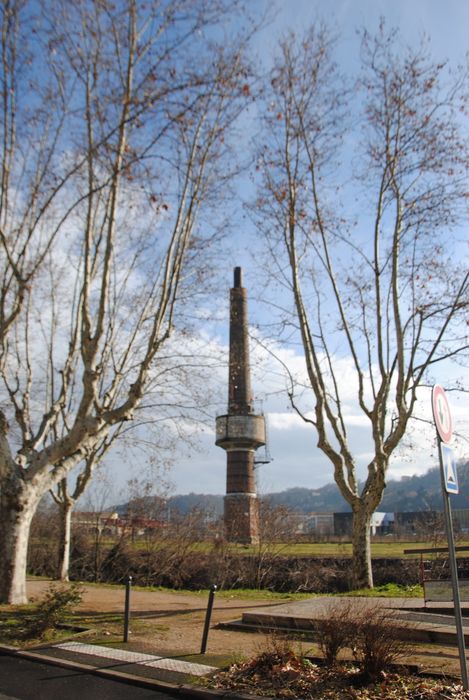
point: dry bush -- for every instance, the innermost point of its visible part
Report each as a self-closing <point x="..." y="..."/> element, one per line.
<point x="276" y="665"/>
<point x="336" y="630"/>
<point x="378" y="641"/>
<point x="369" y="629"/>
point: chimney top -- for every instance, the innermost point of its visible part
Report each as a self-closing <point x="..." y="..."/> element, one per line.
<point x="238" y="277"/>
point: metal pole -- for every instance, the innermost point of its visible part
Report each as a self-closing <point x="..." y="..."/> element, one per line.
<point x="454" y="575"/>
<point x="128" y="585"/>
<point x="208" y="616"/>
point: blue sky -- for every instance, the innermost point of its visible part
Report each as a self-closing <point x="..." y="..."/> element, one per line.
<point x="445" y="23"/>
<point x="296" y="460"/>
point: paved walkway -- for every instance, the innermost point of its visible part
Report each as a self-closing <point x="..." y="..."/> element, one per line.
<point x="168" y="675"/>
<point x="133" y="657"/>
<point x="433" y="622"/>
<point x="140" y="665"/>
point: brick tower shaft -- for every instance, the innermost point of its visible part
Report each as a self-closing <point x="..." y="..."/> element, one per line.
<point x="239" y="381"/>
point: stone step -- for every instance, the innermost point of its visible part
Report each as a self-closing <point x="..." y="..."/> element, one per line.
<point x="419" y="622"/>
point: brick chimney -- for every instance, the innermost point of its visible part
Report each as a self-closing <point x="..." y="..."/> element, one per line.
<point x="240" y="432"/>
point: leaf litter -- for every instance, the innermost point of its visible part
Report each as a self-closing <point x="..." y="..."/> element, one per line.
<point x="288" y="675"/>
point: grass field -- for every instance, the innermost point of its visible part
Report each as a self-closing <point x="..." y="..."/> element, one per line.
<point x="379" y="549"/>
<point x="383" y="548"/>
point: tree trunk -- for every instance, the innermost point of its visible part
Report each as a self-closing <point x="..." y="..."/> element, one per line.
<point x="15" y="524"/>
<point x="65" y="525"/>
<point x="362" y="574"/>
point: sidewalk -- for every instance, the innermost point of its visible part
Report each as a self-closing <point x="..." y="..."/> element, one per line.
<point x="170" y="675"/>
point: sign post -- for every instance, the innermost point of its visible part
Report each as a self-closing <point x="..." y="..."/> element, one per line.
<point x="449" y="484"/>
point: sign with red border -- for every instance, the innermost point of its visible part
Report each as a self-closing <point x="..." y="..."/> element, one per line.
<point x="442" y="413"/>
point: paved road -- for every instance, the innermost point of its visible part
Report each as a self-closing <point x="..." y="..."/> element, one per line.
<point x="21" y="679"/>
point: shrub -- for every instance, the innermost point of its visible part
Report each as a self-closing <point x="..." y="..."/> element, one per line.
<point x="336" y="630"/>
<point x="369" y="629"/>
<point x="277" y="666"/>
<point x="378" y="642"/>
<point x="52" y="610"/>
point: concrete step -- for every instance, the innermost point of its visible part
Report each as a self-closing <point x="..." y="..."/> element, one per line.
<point x="416" y="621"/>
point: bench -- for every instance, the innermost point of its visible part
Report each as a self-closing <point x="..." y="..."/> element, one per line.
<point x="435" y="590"/>
<point x="442" y="591"/>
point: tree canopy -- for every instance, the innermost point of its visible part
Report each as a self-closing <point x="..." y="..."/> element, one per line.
<point x="362" y="188"/>
<point x="117" y="137"/>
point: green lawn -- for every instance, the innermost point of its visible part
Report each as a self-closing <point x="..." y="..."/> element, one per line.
<point x="391" y="548"/>
<point x="379" y="549"/>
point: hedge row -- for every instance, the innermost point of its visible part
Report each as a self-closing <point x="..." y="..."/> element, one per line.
<point x="176" y="568"/>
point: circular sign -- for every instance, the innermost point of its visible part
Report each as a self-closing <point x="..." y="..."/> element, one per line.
<point x="442" y="413"/>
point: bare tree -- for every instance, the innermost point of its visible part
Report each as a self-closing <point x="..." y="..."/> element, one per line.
<point x="92" y="528"/>
<point x="66" y="498"/>
<point x="111" y="154"/>
<point x="276" y="533"/>
<point x="176" y="401"/>
<point x="380" y="291"/>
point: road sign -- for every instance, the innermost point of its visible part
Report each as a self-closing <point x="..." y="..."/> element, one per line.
<point x="450" y="474"/>
<point x="449" y="484"/>
<point x="442" y="413"/>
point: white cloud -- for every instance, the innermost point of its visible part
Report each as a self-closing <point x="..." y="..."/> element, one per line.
<point x="357" y="421"/>
<point x="297" y="461"/>
<point x="286" y="421"/>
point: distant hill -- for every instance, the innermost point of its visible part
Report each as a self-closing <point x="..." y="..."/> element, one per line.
<point x="424" y="492"/>
<point x="414" y="493"/>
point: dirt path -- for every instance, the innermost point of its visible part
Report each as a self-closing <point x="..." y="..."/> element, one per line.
<point x="171" y="623"/>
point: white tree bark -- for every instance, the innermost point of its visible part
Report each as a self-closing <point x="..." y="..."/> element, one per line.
<point x="18" y="503"/>
<point x="15" y="531"/>
<point x="65" y="524"/>
<point x="66" y="501"/>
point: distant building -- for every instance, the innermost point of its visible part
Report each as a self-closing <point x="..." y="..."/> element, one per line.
<point x="321" y="524"/>
<point x="381" y="523"/>
<point x="113" y="525"/>
<point x="405" y="523"/>
<point x="461" y="519"/>
<point x="418" y="522"/>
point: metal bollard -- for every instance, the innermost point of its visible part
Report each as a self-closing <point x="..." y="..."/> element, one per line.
<point x="208" y="616"/>
<point x="128" y="586"/>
